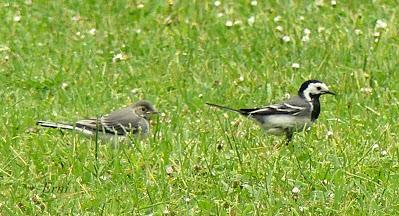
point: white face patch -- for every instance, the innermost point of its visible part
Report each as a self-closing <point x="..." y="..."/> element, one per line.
<point x="315" y="89"/>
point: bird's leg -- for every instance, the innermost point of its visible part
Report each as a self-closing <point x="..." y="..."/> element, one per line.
<point x="289" y="134"/>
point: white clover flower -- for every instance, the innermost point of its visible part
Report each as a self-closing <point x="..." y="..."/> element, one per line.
<point x="217" y="3"/>
<point x="279" y="28"/>
<point x="384" y="153"/>
<point x="277" y="18"/>
<point x="366" y="90"/>
<point x="237" y="22"/>
<point x="219" y="15"/>
<point x="64" y="85"/>
<point x="200" y="96"/>
<point x="241" y="78"/>
<point x="329" y="134"/>
<point x="296" y="190"/>
<point x="295" y="66"/>
<point x="376" y="34"/>
<point x="301" y="208"/>
<point x="75" y="18"/>
<point x="138" y="31"/>
<point x="286" y="38"/>
<point x="301" y="18"/>
<point x="358" y="32"/>
<point x="119" y="57"/>
<point x="375" y="146"/>
<point x="319" y="3"/>
<point x="169" y="170"/>
<point x="333" y="3"/>
<point x="78" y="33"/>
<point x="229" y="23"/>
<point x="17" y="18"/>
<point x="254" y="3"/>
<point x="140" y="6"/>
<point x="305" y="38"/>
<point x="380" y="24"/>
<point x="251" y="20"/>
<point x="92" y="31"/>
<point x="306" y="31"/>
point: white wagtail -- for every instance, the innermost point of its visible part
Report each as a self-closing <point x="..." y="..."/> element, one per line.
<point x="131" y="120"/>
<point x="295" y="114"/>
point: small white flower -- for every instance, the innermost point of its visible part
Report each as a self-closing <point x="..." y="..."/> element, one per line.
<point x="375" y="146"/>
<point x="6" y="58"/>
<point x="279" y="28"/>
<point x="380" y="24"/>
<point x="321" y="29"/>
<point x="331" y="195"/>
<point x="301" y="18"/>
<point x="187" y="199"/>
<point x="229" y="23"/>
<point x="78" y="34"/>
<point x="295" y="66"/>
<point x="75" y="18"/>
<point x="241" y="78"/>
<point x="138" y="31"/>
<point x="376" y="34"/>
<point x="200" y="96"/>
<point x="64" y="86"/>
<point x="306" y="31"/>
<point x="329" y="134"/>
<point x="17" y="18"/>
<point x="295" y="190"/>
<point x="358" y="32"/>
<point x="254" y="3"/>
<point x="301" y="208"/>
<point x="217" y="3"/>
<point x="92" y="31"/>
<point x="366" y="90"/>
<point x="333" y="3"/>
<point x="169" y="170"/>
<point x="277" y="18"/>
<point x="119" y="57"/>
<point x="384" y="153"/>
<point x="286" y="38"/>
<point x="140" y="6"/>
<point x="251" y="20"/>
<point x="219" y="15"/>
<point x="237" y="22"/>
<point x="319" y="3"/>
<point x="305" y="38"/>
<point x="166" y="211"/>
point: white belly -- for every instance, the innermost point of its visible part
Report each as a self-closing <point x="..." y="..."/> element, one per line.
<point x="278" y="124"/>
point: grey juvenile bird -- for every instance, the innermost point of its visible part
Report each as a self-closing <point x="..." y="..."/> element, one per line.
<point x="133" y="119"/>
<point x="295" y="114"/>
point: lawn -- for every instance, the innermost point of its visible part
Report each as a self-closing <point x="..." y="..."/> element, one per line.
<point x="66" y="60"/>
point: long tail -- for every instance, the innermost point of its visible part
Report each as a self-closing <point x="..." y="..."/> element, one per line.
<point x="224" y="107"/>
<point x="84" y="130"/>
<point x="54" y="125"/>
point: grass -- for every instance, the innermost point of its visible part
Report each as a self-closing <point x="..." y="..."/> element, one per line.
<point x="198" y="161"/>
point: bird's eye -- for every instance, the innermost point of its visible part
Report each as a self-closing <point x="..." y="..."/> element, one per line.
<point x="143" y="109"/>
<point x="318" y="88"/>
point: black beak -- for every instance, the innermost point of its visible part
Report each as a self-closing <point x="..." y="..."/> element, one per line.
<point x="153" y="112"/>
<point x="329" y="92"/>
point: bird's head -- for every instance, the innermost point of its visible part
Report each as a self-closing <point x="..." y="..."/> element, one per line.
<point x="313" y="89"/>
<point x="144" y="109"/>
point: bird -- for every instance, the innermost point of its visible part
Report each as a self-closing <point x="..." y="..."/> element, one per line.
<point x="297" y="113"/>
<point x="130" y="120"/>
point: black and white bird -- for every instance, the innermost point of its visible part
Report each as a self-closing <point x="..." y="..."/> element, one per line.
<point x="131" y="120"/>
<point x="295" y="114"/>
